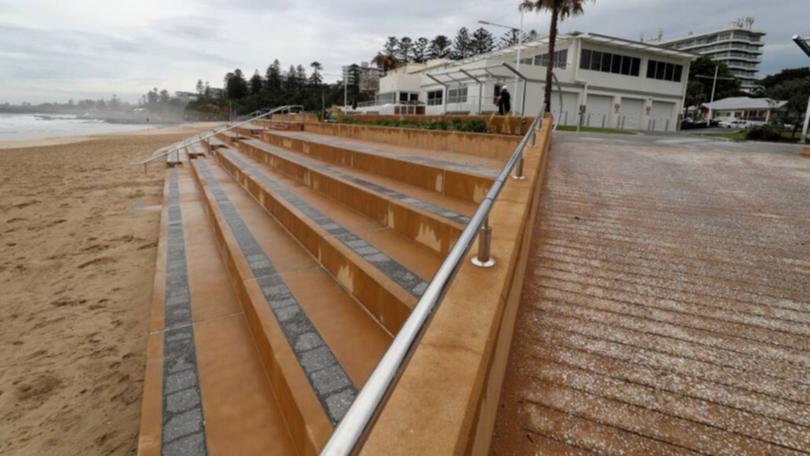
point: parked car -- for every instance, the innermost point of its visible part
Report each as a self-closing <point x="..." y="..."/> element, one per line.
<point x="732" y="123"/>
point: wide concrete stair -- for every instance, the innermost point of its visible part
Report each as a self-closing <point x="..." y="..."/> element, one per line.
<point x="287" y="263"/>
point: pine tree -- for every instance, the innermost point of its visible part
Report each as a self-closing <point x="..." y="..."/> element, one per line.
<point x="256" y="83"/>
<point x="462" y="45"/>
<point x="439" y="47"/>
<point x="482" y="41"/>
<point x="403" y="52"/>
<point x="419" y="51"/>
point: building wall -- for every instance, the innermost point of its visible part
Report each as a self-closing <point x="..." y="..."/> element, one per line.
<point x="610" y="100"/>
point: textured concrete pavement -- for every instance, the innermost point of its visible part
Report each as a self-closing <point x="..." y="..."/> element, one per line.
<point x="666" y="308"/>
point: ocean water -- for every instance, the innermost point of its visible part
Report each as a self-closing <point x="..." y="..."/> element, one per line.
<point x="38" y="126"/>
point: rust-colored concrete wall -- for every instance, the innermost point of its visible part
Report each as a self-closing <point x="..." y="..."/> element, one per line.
<point x="421" y="226"/>
<point x="507" y="125"/>
<point x="806" y="152"/>
<point x="303" y="117"/>
<point x="493" y="146"/>
<point x="451" y="410"/>
<point x="463" y="186"/>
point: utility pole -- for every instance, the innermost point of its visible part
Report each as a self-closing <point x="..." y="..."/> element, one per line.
<point x="806" y="123"/>
<point x="714" y="86"/>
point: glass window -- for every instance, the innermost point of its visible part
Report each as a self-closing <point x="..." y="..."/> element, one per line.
<point x="627" y="63"/>
<point x="668" y="70"/>
<point x="616" y="66"/>
<point x="585" y="59"/>
<point x="435" y="97"/>
<point x="678" y="73"/>
<point x="651" y="69"/>
<point x="636" y="66"/>
<point x="606" y="62"/>
<point x="596" y="61"/>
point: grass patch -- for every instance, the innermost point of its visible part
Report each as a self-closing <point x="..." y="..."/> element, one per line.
<point x="733" y="136"/>
<point x="606" y="131"/>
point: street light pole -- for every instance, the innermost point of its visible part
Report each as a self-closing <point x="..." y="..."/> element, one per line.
<point x="714" y="87"/>
<point x="519" y="48"/>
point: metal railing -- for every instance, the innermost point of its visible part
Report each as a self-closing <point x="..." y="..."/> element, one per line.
<point x="352" y="430"/>
<point x="173" y="148"/>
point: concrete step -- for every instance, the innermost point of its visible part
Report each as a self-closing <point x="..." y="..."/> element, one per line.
<point x="424" y="220"/>
<point x="205" y="386"/>
<point x="464" y="177"/>
<point x="317" y="344"/>
<point x="383" y="270"/>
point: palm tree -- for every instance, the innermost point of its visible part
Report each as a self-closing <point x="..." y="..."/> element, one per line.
<point x="560" y="10"/>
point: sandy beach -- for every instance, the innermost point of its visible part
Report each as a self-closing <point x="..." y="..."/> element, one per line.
<point x="78" y="236"/>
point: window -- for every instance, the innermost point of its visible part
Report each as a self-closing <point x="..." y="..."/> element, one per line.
<point x="458" y="95"/>
<point x="434" y="97"/>
<point x="664" y="71"/>
<point x="385" y="98"/>
<point x="585" y="59"/>
<point x="560" y="59"/>
<point x="609" y="63"/>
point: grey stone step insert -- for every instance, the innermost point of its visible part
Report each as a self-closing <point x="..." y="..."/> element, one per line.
<point x="328" y="378"/>
<point x="400" y="274"/>
<point x="393" y="194"/>
<point x="183" y="425"/>
<point x="359" y="147"/>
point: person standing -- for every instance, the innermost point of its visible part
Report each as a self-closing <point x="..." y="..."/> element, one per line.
<point x="504" y="102"/>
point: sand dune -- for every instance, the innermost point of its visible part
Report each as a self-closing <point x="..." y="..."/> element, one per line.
<point x="78" y="235"/>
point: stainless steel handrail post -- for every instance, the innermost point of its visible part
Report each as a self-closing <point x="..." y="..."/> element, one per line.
<point x="518" y="175"/>
<point x="484" y="259"/>
<point x="353" y="429"/>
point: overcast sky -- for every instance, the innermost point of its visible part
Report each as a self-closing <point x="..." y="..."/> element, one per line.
<point x="53" y="50"/>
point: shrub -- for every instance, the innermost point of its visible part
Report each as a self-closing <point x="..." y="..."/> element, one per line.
<point x="763" y="133"/>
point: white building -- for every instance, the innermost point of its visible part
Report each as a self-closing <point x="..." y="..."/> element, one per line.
<point x="737" y="45"/>
<point x="744" y="108"/>
<point x="602" y="82"/>
<point x="368" y="78"/>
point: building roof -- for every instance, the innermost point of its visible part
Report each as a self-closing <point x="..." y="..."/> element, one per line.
<point x="733" y="103"/>
<point x="728" y="28"/>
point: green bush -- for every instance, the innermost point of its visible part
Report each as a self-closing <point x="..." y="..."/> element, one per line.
<point x="763" y="133"/>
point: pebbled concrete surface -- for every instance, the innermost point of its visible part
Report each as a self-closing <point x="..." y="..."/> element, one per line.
<point x="666" y="308"/>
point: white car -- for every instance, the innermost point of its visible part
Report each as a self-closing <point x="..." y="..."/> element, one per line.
<point x="732" y="123"/>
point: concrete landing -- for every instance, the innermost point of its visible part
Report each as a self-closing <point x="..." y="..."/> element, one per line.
<point x="666" y="308"/>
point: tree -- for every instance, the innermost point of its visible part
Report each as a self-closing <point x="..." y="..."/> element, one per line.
<point x="510" y="38"/>
<point x="256" y="83"/>
<point x="796" y="92"/>
<point x="391" y="46"/>
<point x="785" y="75"/>
<point x="704" y="67"/>
<point x="403" y="53"/>
<point x="419" y="50"/>
<point x="482" y="41"/>
<point x="273" y="76"/>
<point x="236" y="87"/>
<point x="316" y="78"/>
<point x="200" y="87"/>
<point x="462" y="45"/>
<point x="164" y="97"/>
<point x="560" y="10"/>
<point x="385" y="62"/>
<point x="439" y="47"/>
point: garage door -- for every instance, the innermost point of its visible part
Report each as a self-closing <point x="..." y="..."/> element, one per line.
<point x="568" y="115"/>
<point x="662" y="115"/>
<point x="598" y="110"/>
<point x="630" y="113"/>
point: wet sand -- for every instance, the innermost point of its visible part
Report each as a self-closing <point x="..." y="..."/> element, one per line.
<point x="78" y="236"/>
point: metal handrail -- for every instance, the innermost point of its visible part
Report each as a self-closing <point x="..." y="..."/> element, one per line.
<point x="164" y="151"/>
<point x="355" y="425"/>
